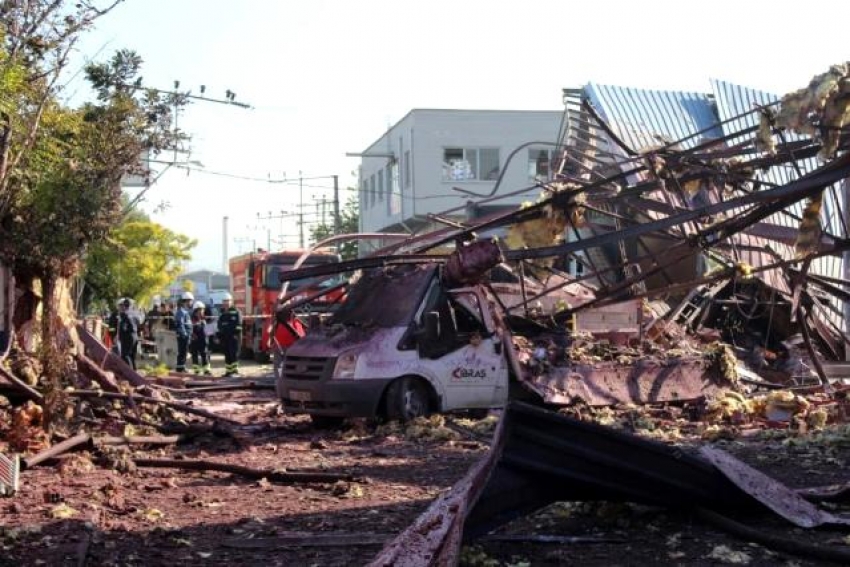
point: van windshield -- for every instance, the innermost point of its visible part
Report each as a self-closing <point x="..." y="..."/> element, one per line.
<point x="385" y="297"/>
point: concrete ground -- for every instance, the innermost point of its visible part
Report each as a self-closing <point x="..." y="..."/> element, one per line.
<point x="247" y="368"/>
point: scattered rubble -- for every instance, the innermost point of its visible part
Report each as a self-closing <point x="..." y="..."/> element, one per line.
<point x="700" y="321"/>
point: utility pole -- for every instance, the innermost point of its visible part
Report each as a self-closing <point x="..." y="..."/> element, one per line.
<point x="270" y="217"/>
<point x="300" y="211"/>
<point x="337" y="222"/>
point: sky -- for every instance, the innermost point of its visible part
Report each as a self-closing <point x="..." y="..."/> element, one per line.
<point x="327" y="77"/>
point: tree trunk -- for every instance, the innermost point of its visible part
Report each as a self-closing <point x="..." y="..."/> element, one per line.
<point x="50" y="357"/>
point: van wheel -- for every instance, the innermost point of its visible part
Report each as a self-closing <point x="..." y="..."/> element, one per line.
<point x="407" y="398"/>
<point x="326" y="421"/>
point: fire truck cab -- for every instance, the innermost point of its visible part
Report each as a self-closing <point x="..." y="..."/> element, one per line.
<point x="255" y="284"/>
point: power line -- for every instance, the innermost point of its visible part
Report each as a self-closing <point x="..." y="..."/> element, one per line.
<point x="230" y="96"/>
<point x="295" y="181"/>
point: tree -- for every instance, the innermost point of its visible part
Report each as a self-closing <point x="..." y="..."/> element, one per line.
<point x="137" y="260"/>
<point x="61" y="168"/>
<point x="349" y="223"/>
<point x="65" y="192"/>
<point x="36" y="37"/>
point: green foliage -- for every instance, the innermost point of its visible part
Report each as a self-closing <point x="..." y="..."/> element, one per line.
<point x="349" y="223"/>
<point x="159" y="370"/>
<point x="60" y="167"/>
<point x="137" y="260"/>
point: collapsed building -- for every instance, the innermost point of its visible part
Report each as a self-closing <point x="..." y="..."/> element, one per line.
<point x="705" y="226"/>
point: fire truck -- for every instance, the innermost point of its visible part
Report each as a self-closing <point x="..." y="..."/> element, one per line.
<point x="256" y="285"/>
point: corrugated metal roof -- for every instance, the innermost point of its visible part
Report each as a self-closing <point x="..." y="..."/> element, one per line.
<point x="733" y="100"/>
<point x="640" y="116"/>
<point x="644" y="118"/>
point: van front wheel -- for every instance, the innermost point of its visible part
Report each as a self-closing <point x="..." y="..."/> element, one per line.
<point x="407" y="398"/>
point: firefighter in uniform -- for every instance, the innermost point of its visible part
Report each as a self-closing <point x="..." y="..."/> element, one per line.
<point x="230" y="331"/>
<point x="183" y="328"/>
<point x="112" y="328"/>
<point x="128" y="333"/>
<point x="199" y="346"/>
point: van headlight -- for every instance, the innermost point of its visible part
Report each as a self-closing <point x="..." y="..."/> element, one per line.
<point x="346" y="364"/>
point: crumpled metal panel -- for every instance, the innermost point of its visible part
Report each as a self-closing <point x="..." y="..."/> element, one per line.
<point x="784" y="501"/>
<point x="539" y="457"/>
<point x="435" y="537"/>
<point x="644" y="381"/>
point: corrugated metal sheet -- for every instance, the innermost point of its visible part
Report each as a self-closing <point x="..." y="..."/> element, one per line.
<point x="642" y="117"/>
<point x="733" y="100"/>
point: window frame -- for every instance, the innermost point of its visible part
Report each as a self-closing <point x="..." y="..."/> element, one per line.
<point x="474" y="166"/>
<point x="550" y="155"/>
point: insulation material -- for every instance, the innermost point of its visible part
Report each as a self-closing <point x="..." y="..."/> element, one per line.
<point x="547" y="230"/>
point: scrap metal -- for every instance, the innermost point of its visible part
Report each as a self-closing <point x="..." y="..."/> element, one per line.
<point x="10" y="471"/>
<point x="648" y="196"/>
<point x="539" y="457"/>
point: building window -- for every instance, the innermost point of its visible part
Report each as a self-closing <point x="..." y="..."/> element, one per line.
<point x="381" y="186"/>
<point x="394" y="198"/>
<point x="392" y="184"/>
<point x="465" y="164"/>
<point x="371" y="190"/>
<point x="540" y="164"/>
<point x="407" y="176"/>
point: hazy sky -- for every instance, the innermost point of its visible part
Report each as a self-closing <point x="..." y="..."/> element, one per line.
<point x="326" y="77"/>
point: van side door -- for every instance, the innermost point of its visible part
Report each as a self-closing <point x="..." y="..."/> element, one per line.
<point x="466" y="353"/>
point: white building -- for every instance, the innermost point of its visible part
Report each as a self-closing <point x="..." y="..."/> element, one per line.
<point x="413" y="169"/>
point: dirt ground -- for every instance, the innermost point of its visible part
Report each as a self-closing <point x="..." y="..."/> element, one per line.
<point x="79" y="513"/>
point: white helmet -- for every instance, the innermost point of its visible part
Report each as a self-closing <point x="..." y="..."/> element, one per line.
<point x="198" y="305"/>
<point x="227" y="297"/>
<point x="188" y="295"/>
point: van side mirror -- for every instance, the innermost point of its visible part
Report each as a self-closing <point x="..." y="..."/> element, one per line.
<point x="432" y="326"/>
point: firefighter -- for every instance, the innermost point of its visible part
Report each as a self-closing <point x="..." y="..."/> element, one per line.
<point x="112" y="328"/>
<point x="183" y="328"/>
<point x="128" y="333"/>
<point x="198" y="346"/>
<point x="230" y="331"/>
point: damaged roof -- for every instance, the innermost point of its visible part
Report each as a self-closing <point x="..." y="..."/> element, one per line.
<point x="643" y="117"/>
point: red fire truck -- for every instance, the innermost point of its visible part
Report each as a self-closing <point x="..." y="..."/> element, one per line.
<point x="255" y="281"/>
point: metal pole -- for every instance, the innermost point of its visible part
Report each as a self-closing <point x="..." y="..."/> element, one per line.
<point x="224" y="267"/>
<point x="300" y="211"/>
<point x="337" y="222"/>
